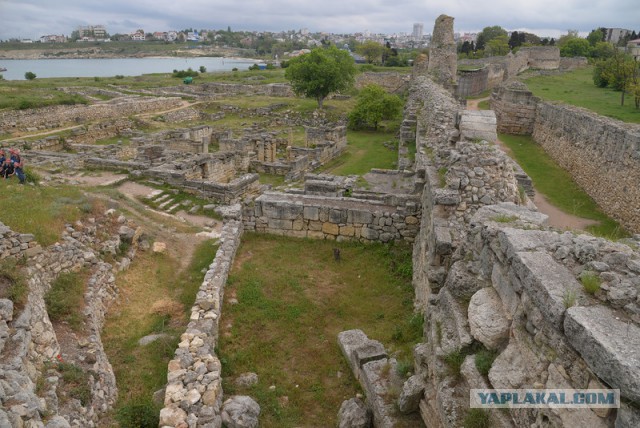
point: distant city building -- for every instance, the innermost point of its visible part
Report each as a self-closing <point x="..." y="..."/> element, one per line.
<point x="53" y="39"/>
<point x="193" y="36"/>
<point x="418" y="30"/>
<point x="138" y="36"/>
<point x="97" y="32"/>
<point x="633" y="48"/>
<point x="613" y="35"/>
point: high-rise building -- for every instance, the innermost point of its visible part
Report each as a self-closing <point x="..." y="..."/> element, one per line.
<point x="418" y="29"/>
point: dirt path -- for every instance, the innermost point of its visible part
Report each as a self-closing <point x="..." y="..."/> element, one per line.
<point x="557" y="218"/>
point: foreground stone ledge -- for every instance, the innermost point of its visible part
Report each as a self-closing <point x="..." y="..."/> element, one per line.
<point x="609" y="345"/>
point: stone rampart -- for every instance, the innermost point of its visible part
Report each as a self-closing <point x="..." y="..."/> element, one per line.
<point x="338" y="218"/>
<point x="489" y="276"/>
<point x="492" y="71"/>
<point x="601" y="154"/>
<point x="583" y="143"/>
<point x="515" y="108"/>
<point x="193" y="395"/>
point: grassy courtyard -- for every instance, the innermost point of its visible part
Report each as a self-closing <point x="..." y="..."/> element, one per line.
<point x="577" y="88"/>
<point x="293" y="299"/>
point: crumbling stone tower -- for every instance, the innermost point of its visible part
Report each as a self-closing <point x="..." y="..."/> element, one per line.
<point x="443" y="57"/>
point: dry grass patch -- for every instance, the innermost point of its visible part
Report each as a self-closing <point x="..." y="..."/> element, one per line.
<point x="293" y="300"/>
<point x="155" y="294"/>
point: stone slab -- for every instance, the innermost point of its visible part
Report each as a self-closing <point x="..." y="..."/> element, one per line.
<point x="608" y="344"/>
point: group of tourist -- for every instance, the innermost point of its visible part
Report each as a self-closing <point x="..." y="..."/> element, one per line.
<point x="11" y="165"/>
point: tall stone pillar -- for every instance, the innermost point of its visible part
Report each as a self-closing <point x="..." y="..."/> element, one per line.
<point x="443" y="57"/>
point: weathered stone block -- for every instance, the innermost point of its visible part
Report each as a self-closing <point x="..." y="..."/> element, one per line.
<point x="487" y="320"/>
<point x="546" y="282"/>
<point x="610" y="346"/>
<point x="331" y="229"/>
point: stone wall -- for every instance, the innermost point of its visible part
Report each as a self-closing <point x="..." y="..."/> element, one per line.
<point x="29" y="346"/>
<point x="193" y="395"/>
<point x="338" y="218"/>
<point x="601" y="154"/>
<point x="391" y="81"/>
<point x="61" y="116"/>
<point x="515" y="108"/>
<point x="513" y="287"/>
<point x="489" y="275"/>
<point x="491" y="72"/>
<point x="583" y="143"/>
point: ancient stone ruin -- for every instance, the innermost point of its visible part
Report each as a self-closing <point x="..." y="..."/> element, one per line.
<point x="490" y="277"/>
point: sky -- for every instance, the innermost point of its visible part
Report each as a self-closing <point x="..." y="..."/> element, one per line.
<point x="552" y="18"/>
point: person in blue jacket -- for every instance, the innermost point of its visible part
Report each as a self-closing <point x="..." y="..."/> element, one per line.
<point x="17" y="163"/>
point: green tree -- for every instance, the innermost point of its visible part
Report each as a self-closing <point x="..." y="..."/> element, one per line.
<point x="498" y="46"/>
<point x="489" y="33"/>
<point x="321" y="72"/>
<point x="29" y="75"/>
<point x="575" y="47"/>
<point x="372" y="51"/>
<point x="374" y="105"/>
<point x="595" y="36"/>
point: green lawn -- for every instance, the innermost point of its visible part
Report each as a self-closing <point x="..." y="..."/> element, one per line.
<point x="42" y="211"/>
<point x="365" y="150"/>
<point x="558" y="186"/>
<point x="577" y="88"/>
<point x="293" y="299"/>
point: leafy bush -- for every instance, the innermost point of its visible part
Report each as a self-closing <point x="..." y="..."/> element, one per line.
<point x="203" y="69"/>
<point x="185" y="73"/>
<point x="254" y="67"/>
<point x="29" y="75"/>
<point x="373" y="106"/>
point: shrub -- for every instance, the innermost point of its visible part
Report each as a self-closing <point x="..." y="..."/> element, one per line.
<point x="454" y="360"/>
<point x="254" y="67"/>
<point x="31" y="176"/>
<point x="203" y="69"/>
<point x="185" y="73"/>
<point x="590" y="281"/>
<point x="29" y="75"/>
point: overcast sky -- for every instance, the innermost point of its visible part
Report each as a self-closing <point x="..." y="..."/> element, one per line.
<point x="35" y="18"/>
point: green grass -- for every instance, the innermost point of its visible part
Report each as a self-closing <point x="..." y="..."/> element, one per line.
<point x="590" y="281"/>
<point x="65" y="299"/>
<point x="484" y="105"/>
<point x="293" y="300"/>
<point x="577" y="88"/>
<point x="42" y="211"/>
<point x="13" y="285"/>
<point x="365" y="150"/>
<point x="484" y="360"/>
<point x="477" y="418"/>
<point x="156" y="294"/>
<point x="558" y="186"/>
